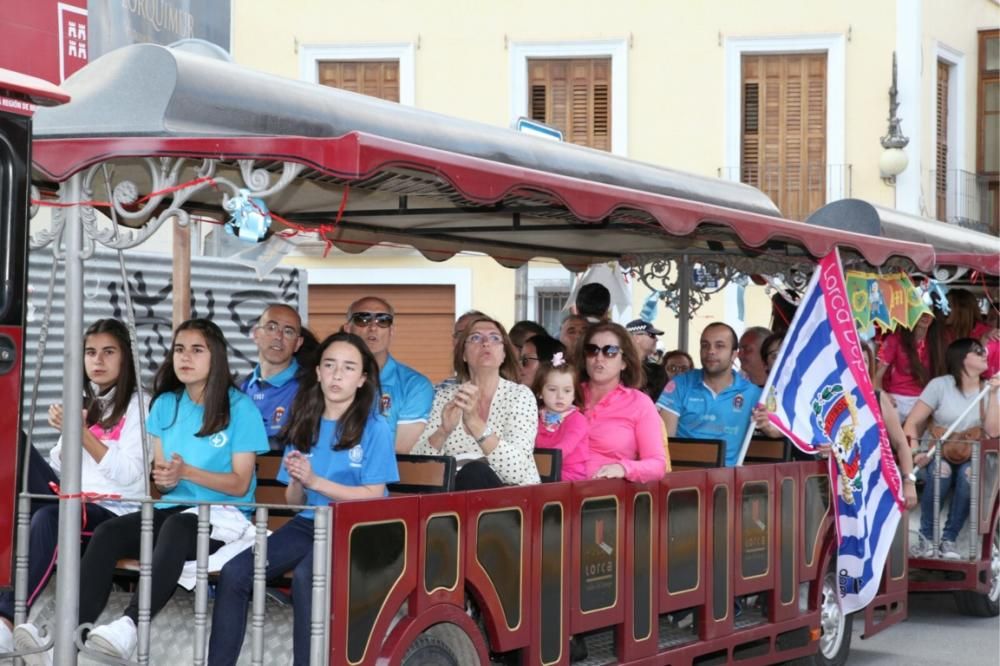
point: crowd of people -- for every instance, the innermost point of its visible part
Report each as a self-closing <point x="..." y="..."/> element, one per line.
<point x="341" y="409"/>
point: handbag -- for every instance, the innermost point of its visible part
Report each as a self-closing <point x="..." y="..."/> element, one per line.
<point x="957" y="449"/>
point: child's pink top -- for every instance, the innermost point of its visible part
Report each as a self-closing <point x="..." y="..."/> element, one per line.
<point x="571" y="437"/>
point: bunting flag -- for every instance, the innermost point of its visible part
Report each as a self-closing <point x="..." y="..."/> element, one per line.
<point x="820" y="394"/>
<point x="886" y="300"/>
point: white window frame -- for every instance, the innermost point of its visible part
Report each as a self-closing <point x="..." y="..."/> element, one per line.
<point x="836" y="82"/>
<point x="617" y="49"/>
<point x="955" y="60"/>
<point x="459" y="278"/>
<point x="310" y="55"/>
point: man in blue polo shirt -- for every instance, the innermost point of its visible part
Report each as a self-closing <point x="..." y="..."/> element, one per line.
<point x="715" y="402"/>
<point x="406" y="394"/>
<point x="273" y="383"/>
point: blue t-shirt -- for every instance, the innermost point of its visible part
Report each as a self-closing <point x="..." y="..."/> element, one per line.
<point x="176" y="424"/>
<point x="406" y="395"/>
<point x="704" y="415"/>
<point x="370" y="462"/>
<point x="273" y="396"/>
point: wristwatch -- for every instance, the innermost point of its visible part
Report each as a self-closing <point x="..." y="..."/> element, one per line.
<point x="911" y="477"/>
<point x="486" y="433"/>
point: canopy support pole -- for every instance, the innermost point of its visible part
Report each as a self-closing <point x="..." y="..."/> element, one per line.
<point x="68" y="580"/>
<point x="181" y="297"/>
<point x="684" y="302"/>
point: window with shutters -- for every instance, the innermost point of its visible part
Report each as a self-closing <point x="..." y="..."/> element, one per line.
<point x="988" y="126"/>
<point x="941" y="142"/>
<point x="783" y="129"/>
<point x="377" y="78"/>
<point x="549" y="308"/>
<point x="573" y="95"/>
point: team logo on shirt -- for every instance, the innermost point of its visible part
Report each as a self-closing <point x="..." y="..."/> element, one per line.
<point x="279" y="414"/>
<point x="356" y="454"/>
<point x="386" y="402"/>
<point x="738" y="403"/>
<point x="218" y="440"/>
<point x="670" y="387"/>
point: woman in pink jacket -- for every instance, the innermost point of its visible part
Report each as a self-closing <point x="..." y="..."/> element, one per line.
<point x="626" y="436"/>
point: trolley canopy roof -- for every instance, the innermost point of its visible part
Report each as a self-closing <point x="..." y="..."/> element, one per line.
<point x="439" y="184"/>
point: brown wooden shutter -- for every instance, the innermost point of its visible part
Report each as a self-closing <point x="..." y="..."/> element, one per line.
<point x="573" y="95"/>
<point x="377" y="78"/>
<point x="941" y="167"/>
<point x="783" y="143"/>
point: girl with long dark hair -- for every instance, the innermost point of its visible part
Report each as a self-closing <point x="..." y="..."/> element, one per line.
<point x="340" y="448"/>
<point x="112" y="463"/>
<point x="907" y="360"/>
<point x="205" y="436"/>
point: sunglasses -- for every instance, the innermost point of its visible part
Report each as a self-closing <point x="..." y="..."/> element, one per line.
<point x="381" y="319"/>
<point x="609" y="351"/>
<point x="978" y="350"/>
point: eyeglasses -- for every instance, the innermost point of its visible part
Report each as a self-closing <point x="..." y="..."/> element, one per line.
<point x="273" y="327"/>
<point x="678" y="369"/>
<point x="609" y="351"/>
<point x="484" y="339"/>
<point x="381" y="319"/>
<point x="525" y="360"/>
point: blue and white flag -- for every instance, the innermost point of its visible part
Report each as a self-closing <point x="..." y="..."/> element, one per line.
<point x="820" y="393"/>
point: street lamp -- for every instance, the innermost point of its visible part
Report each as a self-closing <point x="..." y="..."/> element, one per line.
<point x="893" y="160"/>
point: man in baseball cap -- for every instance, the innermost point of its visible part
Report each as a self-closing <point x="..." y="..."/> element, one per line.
<point x="644" y="336"/>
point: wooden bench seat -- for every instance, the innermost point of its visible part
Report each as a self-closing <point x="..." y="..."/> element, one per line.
<point x="424" y="474"/>
<point x="690" y="453"/>
<point x="549" y="464"/>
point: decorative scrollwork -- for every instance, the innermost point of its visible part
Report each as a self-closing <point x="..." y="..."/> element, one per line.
<point x="258" y="181"/>
<point x="710" y="274"/>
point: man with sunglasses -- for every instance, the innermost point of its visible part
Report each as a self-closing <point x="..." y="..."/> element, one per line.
<point x="273" y="383"/>
<point x="406" y="394"/>
<point x="714" y="402"/>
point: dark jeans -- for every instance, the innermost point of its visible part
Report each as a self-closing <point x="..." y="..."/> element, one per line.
<point x="44" y="534"/>
<point x="174" y="543"/>
<point x="290" y="548"/>
<point x="477" y="475"/>
<point x="959" y="512"/>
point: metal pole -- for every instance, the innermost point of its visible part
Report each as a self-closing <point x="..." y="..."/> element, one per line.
<point x="320" y="611"/>
<point x="259" y="588"/>
<point x="21" y="559"/>
<point x="684" y="302"/>
<point x="201" y="584"/>
<point x="68" y="580"/>
<point x="974" y="502"/>
<point x="145" y="579"/>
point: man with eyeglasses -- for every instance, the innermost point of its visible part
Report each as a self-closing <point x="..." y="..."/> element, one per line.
<point x="406" y="394"/>
<point x="715" y="402"/>
<point x="273" y="383"/>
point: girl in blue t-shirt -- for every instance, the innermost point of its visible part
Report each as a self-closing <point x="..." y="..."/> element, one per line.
<point x="205" y="435"/>
<point x="341" y="449"/>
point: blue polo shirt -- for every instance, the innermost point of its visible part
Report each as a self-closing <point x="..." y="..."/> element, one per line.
<point x="369" y="462"/>
<point x="175" y="419"/>
<point x="704" y="415"/>
<point x="273" y="397"/>
<point x="406" y="395"/>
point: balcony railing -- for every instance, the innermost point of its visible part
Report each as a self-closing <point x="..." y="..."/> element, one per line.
<point x="964" y="198"/>
<point x="797" y="191"/>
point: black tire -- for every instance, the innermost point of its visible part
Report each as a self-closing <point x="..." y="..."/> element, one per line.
<point x="977" y="604"/>
<point x="443" y="644"/>
<point x="430" y="651"/>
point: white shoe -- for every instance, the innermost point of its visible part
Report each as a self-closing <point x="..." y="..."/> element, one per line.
<point x="115" y="639"/>
<point x="29" y="637"/>
<point x="949" y="551"/>
<point x="922" y="548"/>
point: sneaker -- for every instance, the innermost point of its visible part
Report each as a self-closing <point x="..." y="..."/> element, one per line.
<point x="115" y="639"/>
<point x="922" y="548"/>
<point x="949" y="551"/>
<point x="29" y="637"/>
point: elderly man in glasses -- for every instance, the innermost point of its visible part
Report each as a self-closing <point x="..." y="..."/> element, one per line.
<point x="715" y="402"/>
<point x="406" y="394"/>
<point x="273" y="382"/>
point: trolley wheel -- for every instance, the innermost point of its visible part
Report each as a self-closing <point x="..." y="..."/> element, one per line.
<point x="835" y="628"/>
<point x="441" y="645"/>
<point x="978" y="604"/>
